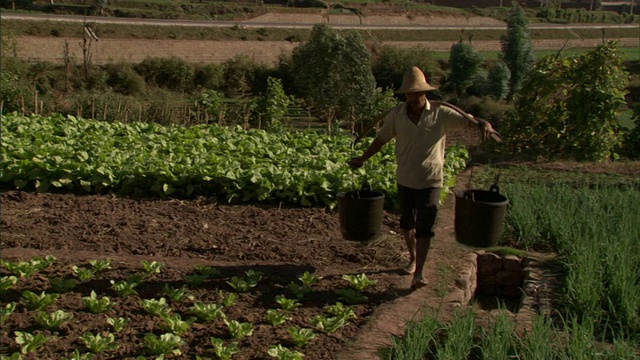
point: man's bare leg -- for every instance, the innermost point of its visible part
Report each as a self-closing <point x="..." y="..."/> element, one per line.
<point x="422" y="249"/>
<point x="410" y="240"/>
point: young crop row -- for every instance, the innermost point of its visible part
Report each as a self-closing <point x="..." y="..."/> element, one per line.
<point x="145" y="159"/>
<point x="201" y="309"/>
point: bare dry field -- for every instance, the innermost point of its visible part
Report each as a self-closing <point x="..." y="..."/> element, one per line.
<point x="111" y="50"/>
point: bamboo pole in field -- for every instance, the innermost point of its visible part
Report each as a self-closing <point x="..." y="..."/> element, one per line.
<point x="104" y="113"/>
<point x="93" y="107"/>
<point x="41" y="107"/>
<point x="139" y="113"/>
<point x="35" y="102"/>
<point x="22" y="104"/>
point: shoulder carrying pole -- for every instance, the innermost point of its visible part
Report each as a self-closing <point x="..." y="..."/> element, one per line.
<point x="495" y="136"/>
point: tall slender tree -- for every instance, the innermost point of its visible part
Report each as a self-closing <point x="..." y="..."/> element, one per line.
<point x="465" y="65"/>
<point x="517" y="49"/>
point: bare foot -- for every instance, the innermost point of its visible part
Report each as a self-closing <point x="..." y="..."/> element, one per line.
<point x="410" y="268"/>
<point x="418" y="283"/>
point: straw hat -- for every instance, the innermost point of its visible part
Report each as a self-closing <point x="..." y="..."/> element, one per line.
<point x="414" y="81"/>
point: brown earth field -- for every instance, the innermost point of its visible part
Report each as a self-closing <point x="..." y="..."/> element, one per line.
<point x="281" y="243"/>
<point x="190" y="236"/>
<point x="115" y="50"/>
<point x="205" y="247"/>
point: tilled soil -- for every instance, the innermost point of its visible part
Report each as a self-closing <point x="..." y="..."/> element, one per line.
<point x="282" y="243"/>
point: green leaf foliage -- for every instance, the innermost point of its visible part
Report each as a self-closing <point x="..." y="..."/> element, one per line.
<point x="145" y="159"/>
<point x="568" y="108"/>
<point x="333" y="72"/>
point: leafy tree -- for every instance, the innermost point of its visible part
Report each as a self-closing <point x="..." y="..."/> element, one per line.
<point x="517" y="50"/>
<point x="465" y="66"/>
<point x="498" y="81"/>
<point x="333" y="73"/>
<point x="390" y="64"/>
<point x="568" y="108"/>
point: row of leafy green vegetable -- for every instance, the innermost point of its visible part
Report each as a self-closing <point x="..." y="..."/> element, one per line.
<point x="145" y="159"/>
<point x="335" y="317"/>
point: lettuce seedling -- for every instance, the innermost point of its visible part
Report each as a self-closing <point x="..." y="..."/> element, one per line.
<point x="222" y="351"/>
<point x="351" y="296"/>
<point x="97" y="305"/>
<point x="208" y="271"/>
<point x="165" y="344"/>
<point x="100" y="265"/>
<point x="175" y="294"/>
<point x="287" y="304"/>
<point x="6" y="282"/>
<point x="208" y="312"/>
<point x="38" y="302"/>
<point x="340" y="310"/>
<point x="124" y="287"/>
<point x="308" y="278"/>
<point x="62" y="285"/>
<point x="157" y="307"/>
<point x="118" y="324"/>
<point x="28" y="342"/>
<point x="98" y="343"/>
<point x="176" y="325"/>
<point x="276" y="317"/>
<point x="301" y="336"/>
<point x="82" y="273"/>
<point x="359" y="282"/>
<point x="6" y="312"/>
<point x="228" y="299"/>
<point x="153" y="267"/>
<point x="194" y="279"/>
<point x="282" y="353"/>
<point x="328" y="324"/>
<point x="54" y="320"/>
<point x="242" y="285"/>
<point x="298" y="290"/>
<point x="238" y="329"/>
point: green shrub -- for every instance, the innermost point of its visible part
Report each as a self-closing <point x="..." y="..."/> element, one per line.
<point x="123" y="79"/>
<point x="209" y="76"/>
<point x="170" y="73"/>
<point x="239" y="76"/>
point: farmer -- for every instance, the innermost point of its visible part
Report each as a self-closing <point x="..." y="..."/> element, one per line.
<point x="420" y="130"/>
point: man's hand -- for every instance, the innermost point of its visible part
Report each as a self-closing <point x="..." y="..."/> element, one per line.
<point x="356" y="162"/>
<point x="486" y="128"/>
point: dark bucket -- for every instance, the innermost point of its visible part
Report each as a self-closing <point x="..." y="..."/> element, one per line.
<point x="360" y="214"/>
<point x="479" y="216"/>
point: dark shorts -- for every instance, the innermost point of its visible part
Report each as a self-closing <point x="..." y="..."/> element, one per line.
<point x="418" y="209"/>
